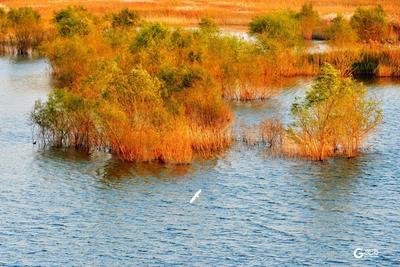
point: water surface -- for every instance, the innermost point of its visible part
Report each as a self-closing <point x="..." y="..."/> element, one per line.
<point x="63" y="208"/>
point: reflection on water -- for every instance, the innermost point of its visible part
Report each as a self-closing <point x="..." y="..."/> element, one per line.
<point x="61" y="207"/>
<point x="338" y="172"/>
<point x="377" y="82"/>
<point x="116" y="171"/>
<point x="334" y="180"/>
<point x="113" y="172"/>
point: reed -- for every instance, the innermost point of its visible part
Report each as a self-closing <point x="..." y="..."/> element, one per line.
<point x="269" y="133"/>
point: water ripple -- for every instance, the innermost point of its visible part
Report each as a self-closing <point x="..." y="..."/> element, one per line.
<point x="64" y="208"/>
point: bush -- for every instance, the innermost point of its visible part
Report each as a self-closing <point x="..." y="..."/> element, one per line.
<point x="207" y="25"/>
<point x="176" y="79"/>
<point x="71" y="21"/>
<point x="309" y="20"/>
<point x="277" y="30"/>
<point x="366" y="64"/>
<point x="150" y="36"/>
<point x="370" y="24"/>
<point x="334" y="117"/>
<point x="340" y="32"/>
<point x="69" y="58"/>
<point x="125" y="18"/>
<point x="23" y="16"/>
<point x="65" y="120"/>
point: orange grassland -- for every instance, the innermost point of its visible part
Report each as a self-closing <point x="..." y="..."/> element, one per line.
<point x="227" y="13"/>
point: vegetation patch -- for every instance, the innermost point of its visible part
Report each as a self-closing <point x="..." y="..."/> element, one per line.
<point x="148" y="92"/>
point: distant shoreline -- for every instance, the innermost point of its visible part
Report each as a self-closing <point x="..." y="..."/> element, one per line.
<point x="230" y="15"/>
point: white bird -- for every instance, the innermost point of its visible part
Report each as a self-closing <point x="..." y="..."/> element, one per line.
<point x="195" y="196"/>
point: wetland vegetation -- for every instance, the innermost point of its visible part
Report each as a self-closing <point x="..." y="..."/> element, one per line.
<point x="145" y="91"/>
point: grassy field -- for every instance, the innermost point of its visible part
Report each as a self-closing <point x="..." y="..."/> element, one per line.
<point x="227" y="13"/>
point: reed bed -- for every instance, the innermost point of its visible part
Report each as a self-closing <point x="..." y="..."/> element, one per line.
<point x="229" y="13"/>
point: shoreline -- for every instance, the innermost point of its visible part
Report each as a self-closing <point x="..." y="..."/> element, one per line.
<point x="230" y="15"/>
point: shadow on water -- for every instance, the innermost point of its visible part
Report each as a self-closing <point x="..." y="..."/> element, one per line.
<point x="114" y="173"/>
<point x="337" y="172"/>
<point x="330" y="197"/>
<point x="25" y="59"/>
<point x="332" y="183"/>
<point x="335" y="180"/>
<point x="379" y="81"/>
<point x="69" y="155"/>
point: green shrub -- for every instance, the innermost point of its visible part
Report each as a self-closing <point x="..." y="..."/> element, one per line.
<point x="276" y="30"/>
<point x="24" y="15"/>
<point x="125" y="18"/>
<point x="340" y="32"/>
<point x="65" y="120"/>
<point x="366" y="65"/>
<point x="334" y="117"/>
<point x="150" y="36"/>
<point x="73" y="20"/>
<point x="370" y="23"/>
<point x="309" y="20"/>
<point x="207" y="25"/>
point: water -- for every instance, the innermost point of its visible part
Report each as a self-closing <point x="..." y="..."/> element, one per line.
<point x="313" y="46"/>
<point x="63" y="208"/>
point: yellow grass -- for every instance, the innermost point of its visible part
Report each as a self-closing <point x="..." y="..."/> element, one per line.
<point x="227" y="13"/>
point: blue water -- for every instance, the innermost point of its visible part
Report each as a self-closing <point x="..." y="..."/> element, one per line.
<point x="61" y="208"/>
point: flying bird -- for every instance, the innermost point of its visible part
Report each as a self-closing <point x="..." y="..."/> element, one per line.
<point x="195" y="196"/>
